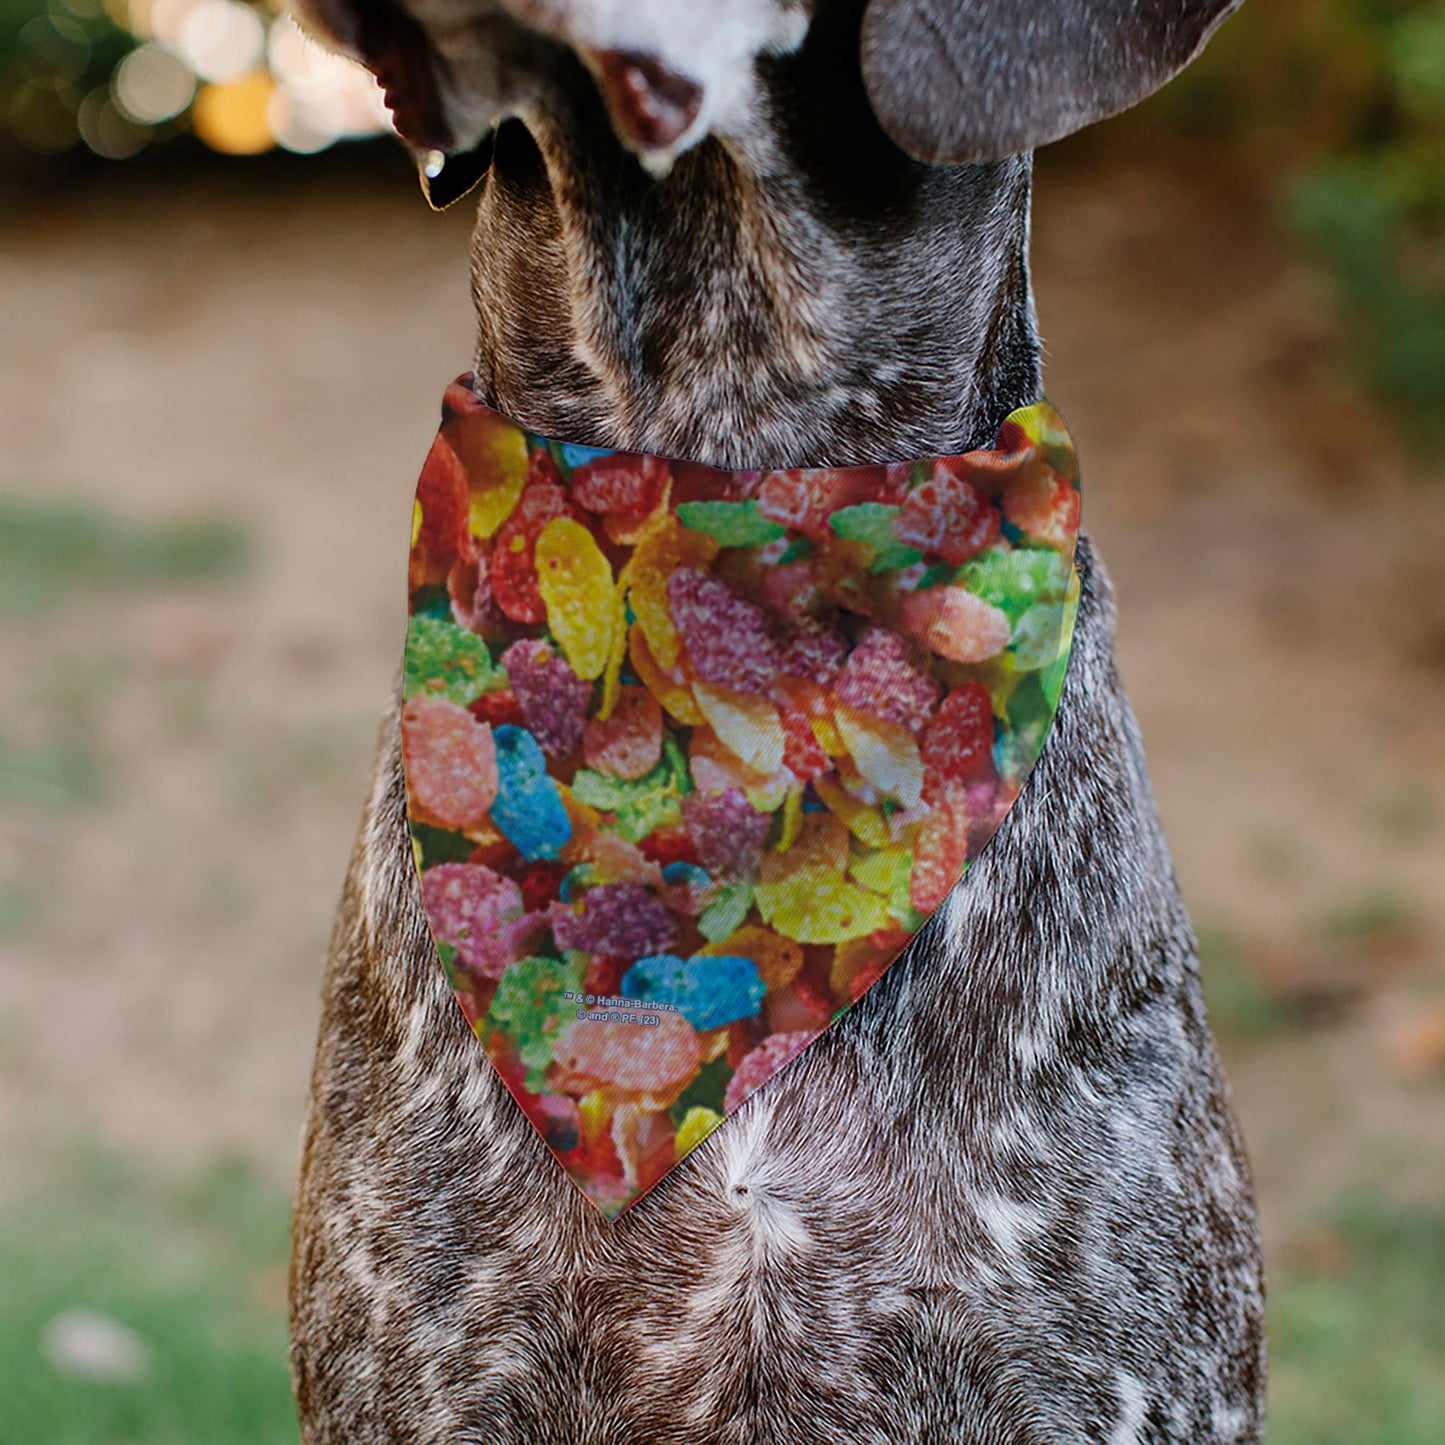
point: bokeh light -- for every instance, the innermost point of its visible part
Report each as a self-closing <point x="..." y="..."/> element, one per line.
<point x="117" y="76"/>
<point x="221" y="40"/>
<point x="152" y="84"/>
<point x="232" y="117"/>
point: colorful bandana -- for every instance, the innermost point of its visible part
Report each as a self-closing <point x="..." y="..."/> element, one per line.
<point x="692" y="755"/>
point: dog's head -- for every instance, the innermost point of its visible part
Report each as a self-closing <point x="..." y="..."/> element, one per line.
<point x="949" y="81"/>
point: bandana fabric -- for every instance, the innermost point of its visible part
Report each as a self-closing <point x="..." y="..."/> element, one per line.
<point x="692" y="755"/>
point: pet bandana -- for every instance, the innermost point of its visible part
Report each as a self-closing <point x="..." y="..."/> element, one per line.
<point x="692" y="755"/>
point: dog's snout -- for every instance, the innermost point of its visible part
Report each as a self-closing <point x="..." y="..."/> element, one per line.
<point x="651" y="106"/>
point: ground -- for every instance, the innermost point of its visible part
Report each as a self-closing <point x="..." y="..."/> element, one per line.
<point x="214" y="401"/>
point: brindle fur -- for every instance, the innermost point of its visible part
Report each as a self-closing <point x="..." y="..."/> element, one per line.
<point x="1003" y="1199"/>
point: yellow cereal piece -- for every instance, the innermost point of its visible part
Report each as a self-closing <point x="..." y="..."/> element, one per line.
<point x="714" y="1043"/>
<point x="748" y="726"/>
<point x="815" y="905"/>
<point x="768" y="797"/>
<point x="493" y="453"/>
<point x="880" y="870"/>
<point x="778" y="959"/>
<point x="629" y="531"/>
<point x="849" y="961"/>
<point x="696" y="1125"/>
<point x="828" y="737"/>
<point x="612" y="681"/>
<point x="575" y="582"/>
<point x="884" y="753"/>
<point x="821" y="842"/>
<point x="663" y="549"/>
<point x="792" y="819"/>
<point x="668" y="685"/>
<point x="866" y="824"/>
<point x="594" y="1112"/>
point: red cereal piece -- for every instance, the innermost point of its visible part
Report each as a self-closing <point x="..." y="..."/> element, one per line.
<point x="882" y="678"/>
<point x="957" y="745"/>
<point x="629" y="742"/>
<point x="803" y="500"/>
<point x="539" y="883"/>
<point x="514" y="568"/>
<point x="451" y="762"/>
<point x="1044" y="505"/>
<point x="669" y="845"/>
<point x="940" y="852"/>
<point x="948" y="516"/>
<point x="442" y="495"/>
<point x="604" y="974"/>
<point x="497" y="707"/>
<point x="806" y="499"/>
<point x="814" y="652"/>
<point x="727" y="638"/>
<point x="621" y="482"/>
<point x="759" y="1064"/>
<point x="802" y="752"/>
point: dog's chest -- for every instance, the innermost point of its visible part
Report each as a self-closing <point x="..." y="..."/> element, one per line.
<point x="1001" y="1197"/>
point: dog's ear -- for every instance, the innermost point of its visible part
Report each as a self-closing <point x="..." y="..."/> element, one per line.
<point x="974" y="80"/>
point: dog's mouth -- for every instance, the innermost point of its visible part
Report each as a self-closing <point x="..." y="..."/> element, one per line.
<point x="447" y="177"/>
<point x="654" y="109"/>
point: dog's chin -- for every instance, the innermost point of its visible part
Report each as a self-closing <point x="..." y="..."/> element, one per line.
<point x="447" y="177"/>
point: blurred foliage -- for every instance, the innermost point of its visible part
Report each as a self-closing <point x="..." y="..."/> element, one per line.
<point x="1357" y="1330"/>
<point x="52" y="549"/>
<point x="192" y="1277"/>
<point x="1337" y="108"/>
<point x="51" y="59"/>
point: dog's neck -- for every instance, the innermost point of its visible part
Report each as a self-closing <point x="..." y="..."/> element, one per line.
<point x="802" y="295"/>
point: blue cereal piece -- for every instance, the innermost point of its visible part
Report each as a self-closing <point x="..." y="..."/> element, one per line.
<point x="686" y="873"/>
<point x="528" y="809"/>
<point x="707" y="991"/>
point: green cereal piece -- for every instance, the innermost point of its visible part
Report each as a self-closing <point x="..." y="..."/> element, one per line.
<point x="727" y="913"/>
<point x="645" y="817"/>
<point x="707" y="1090"/>
<point x="529" y="1005"/>
<point x="644" y="804"/>
<point x="1016" y="579"/>
<point x="445" y="660"/>
<point x="440" y="845"/>
<point x="1037" y="636"/>
<point x="872" y="522"/>
<point x="730" y="524"/>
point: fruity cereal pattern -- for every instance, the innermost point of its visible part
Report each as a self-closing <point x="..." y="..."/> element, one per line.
<point x="691" y="755"/>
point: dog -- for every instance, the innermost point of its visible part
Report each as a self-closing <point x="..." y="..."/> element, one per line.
<point x="1003" y="1199"/>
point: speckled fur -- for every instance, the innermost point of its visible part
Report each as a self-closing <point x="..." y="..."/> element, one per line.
<point x="1003" y="1199"/>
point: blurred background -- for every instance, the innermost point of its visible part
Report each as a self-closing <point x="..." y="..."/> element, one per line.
<point x="227" y="317"/>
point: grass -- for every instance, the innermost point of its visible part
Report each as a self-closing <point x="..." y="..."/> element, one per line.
<point x="1240" y="1005"/>
<point x="194" y="1275"/>
<point x="49" y="550"/>
<point x="1358" y="1351"/>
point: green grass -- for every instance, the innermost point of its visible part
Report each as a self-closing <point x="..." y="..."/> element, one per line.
<point x="50" y="550"/>
<point x="1358" y="1355"/>
<point x="195" y="1276"/>
<point x="1241" y="1006"/>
